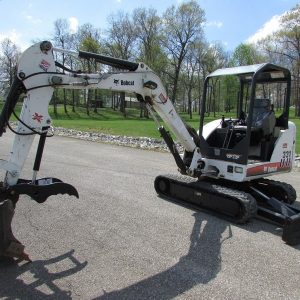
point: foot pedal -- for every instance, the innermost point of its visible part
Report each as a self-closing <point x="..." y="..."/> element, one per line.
<point x="41" y="189"/>
<point x="291" y="231"/>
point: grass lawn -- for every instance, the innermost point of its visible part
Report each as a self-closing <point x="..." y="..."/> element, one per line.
<point x="106" y="121"/>
<point x="113" y="122"/>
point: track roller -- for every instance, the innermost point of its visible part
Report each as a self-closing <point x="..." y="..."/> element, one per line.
<point x="237" y="206"/>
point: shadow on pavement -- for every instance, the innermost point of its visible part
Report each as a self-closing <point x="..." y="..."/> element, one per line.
<point x="12" y="287"/>
<point x="200" y="265"/>
<point x="255" y="225"/>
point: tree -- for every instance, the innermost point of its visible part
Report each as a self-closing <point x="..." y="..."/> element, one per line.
<point x="246" y="54"/>
<point x="210" y="57"/>
<point x="289" y="38"/>
<point x="182" y="27"/>
<point x="61" y="39"/>
<point x="122" y="36"/>
<point x="90" y="41"/>
<point x="121" y="43"/>
<point x="284" y="47"/>
<point x="190" y="69"/>
<point x="8" y="63"/>
<point x="148" y="28"/>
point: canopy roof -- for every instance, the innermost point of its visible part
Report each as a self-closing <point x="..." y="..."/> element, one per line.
<point x="274" y="70"/>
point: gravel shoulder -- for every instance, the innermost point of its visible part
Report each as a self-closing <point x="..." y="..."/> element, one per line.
<point x="127" y="141"/>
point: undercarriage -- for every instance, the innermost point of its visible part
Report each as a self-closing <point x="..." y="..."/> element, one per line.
<point x="237" y="202"/>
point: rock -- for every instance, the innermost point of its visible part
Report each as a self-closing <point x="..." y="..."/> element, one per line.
<point x="129" y="141"/>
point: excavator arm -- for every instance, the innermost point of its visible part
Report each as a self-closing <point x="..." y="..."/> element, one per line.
<point x="36" y="79"/>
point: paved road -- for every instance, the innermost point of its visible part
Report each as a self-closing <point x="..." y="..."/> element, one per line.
<point x="120" y="241"/>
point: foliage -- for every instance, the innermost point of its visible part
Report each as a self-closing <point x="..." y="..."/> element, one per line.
<point x="149" y="34"/>
<point x="9" y="55"/>
<point x="246" y="54"/>
<point x="121" y="36"/>
<point x="174" y="46"/>
<point x="284" y="47"/>
<point x="182" y="27"/>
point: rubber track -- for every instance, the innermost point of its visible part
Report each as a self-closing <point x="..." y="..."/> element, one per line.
<point x="273" y="188"/>
<point x="248" y="205"/>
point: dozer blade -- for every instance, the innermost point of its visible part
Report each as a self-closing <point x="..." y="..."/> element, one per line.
<point x="291" y="230"/>
<point x="281" y="213"/>
<point x="41" y="189"/>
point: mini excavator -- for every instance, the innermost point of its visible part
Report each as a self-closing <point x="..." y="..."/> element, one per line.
<point x="224" y="164"/>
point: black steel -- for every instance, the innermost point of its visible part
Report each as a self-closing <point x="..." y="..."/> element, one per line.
<point x="40" y="149"/>
<point x="276" y="211"/>
<point x="150" y="85"/>
<point x="237" y="203"/>
<point x="172" y="147"/>
<point x="235" y="206"/>
<point x="16" y="89"/>
<point x="291" y="231"/>
<point x="270" y="216"/>
<point x="41" y="189"/>
<point x="45" y="46"/>
<point x="110" y="61"/>
<point x="273" y="203"/>
<point x="6" y="234"/>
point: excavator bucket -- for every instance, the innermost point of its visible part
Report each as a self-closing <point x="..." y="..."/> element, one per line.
<point x="43" y="188"/>
<point x="291" y="231"/>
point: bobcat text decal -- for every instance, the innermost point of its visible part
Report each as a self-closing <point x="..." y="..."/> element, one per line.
<point x="268" y="168"/>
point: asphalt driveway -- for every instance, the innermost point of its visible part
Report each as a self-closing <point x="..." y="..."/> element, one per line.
<point x="121" y="241"/>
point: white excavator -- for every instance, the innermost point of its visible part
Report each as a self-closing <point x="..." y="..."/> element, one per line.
<point x="224" y="164"/>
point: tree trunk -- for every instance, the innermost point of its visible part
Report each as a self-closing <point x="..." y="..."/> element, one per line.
<point x="297" y="106"/>
<point x="146" y="112"/>
<point x="122" y="103"/>
<point x="113" y="100"/>
<point x="54" y="103"/>
<point x="297" y="94"/>
<point x="65" y="101"/>
<point x="87" y="98"/>
<point x="73" y="101"/>
<point x="141" y="109"/>
<point x="174" y="94"/>
<point x="190" y="103"/>
<point x="95" y="106"/>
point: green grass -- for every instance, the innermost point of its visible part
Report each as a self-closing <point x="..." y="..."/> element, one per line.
<point x="106" y="121"/>
<point x="297" y="123"/>
<point x="112" y="122"/>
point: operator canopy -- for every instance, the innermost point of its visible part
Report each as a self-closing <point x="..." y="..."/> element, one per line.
<point x="265" y="72"/>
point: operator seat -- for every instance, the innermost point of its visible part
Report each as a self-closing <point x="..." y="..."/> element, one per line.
<point x="263" y="118"/>
<point x="262" y="128"/>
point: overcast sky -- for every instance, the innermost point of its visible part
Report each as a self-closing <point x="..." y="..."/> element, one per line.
<point x="229" y="21"/>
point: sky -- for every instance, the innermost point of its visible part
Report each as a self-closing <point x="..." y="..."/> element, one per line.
<point x="229" y="22"/>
